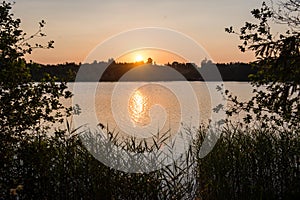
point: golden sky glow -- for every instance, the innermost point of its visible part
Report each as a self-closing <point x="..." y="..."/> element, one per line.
<point x="139" y="58"/>
<point x="158" y="56"/>
<point x="77" y="27"/>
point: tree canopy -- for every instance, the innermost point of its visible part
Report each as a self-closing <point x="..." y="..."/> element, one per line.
<point x="277" y="63"/>
<point x="25" y="105"/>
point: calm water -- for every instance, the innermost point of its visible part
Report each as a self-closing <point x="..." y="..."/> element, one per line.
<point x="139" y="108"/>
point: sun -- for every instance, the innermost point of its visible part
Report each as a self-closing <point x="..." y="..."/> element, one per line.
<point x="138" y="58"/>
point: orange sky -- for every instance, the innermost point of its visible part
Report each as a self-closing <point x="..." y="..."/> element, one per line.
<point x="158" y="56"/>
<point x="77" y="27"/>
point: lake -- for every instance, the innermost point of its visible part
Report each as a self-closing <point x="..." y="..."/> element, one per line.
<point x="143" y="108"/>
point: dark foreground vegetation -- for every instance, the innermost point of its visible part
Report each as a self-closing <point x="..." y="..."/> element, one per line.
<point x="258" y="158"/>
<point x="258" y="163"/>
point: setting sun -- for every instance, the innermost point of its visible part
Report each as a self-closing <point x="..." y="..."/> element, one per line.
<point x="138" y="58"/>
<point x="159" y="56"/>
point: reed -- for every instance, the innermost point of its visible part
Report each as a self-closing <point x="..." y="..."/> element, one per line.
<point x="246" y="163"/>
<point x="251" y="163"/>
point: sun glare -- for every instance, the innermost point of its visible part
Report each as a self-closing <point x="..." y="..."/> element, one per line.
<point x="138" y="58"/>
<point x="138" y="108"/>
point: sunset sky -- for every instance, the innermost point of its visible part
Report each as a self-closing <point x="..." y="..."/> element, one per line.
<point x="78" y="26"/>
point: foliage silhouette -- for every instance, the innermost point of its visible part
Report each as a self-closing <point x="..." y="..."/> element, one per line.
<point x="246" y="163"/>
<point x="67" y="71"/>
<point x="25" y="106"/>
<point x="277" y="64"/>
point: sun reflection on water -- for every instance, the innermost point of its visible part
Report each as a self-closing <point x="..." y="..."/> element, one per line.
<point x="139" y="109"/>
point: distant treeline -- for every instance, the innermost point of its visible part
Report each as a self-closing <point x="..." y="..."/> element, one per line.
<point x="147" y="71"/>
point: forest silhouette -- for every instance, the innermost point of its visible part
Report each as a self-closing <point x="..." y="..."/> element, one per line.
<point x="115" y="70"/>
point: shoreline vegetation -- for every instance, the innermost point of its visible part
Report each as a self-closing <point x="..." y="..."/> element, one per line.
<point x="114" y="71"/>
<point x="247" y="162"/>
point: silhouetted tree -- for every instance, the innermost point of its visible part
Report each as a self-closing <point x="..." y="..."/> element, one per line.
<point x="149" y="61"/>
<point x="24" y="104"/>
<point x="278" y="64"/>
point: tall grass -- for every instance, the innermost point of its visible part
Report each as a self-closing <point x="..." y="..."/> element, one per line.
<point x="246" y="163"/>
<point x="61" y="167"/>
<point x="251" y="163"/>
